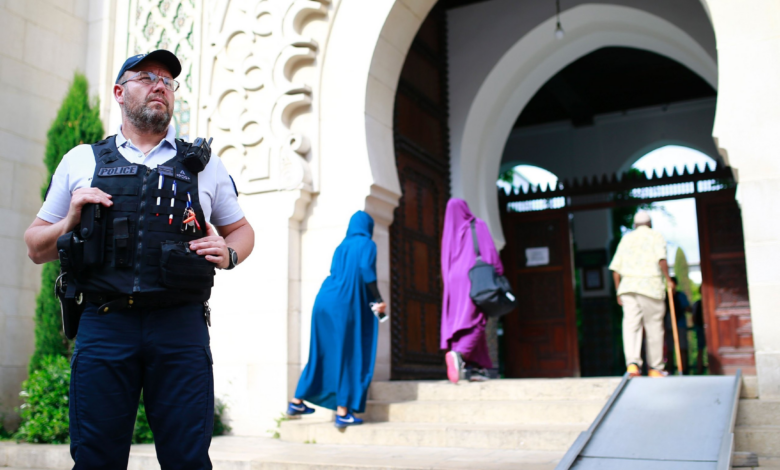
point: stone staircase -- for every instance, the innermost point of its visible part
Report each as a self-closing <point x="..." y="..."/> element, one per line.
<point x="758" y="426"/>
<point x="496" y="425"/>
<point x="529" y="414"/>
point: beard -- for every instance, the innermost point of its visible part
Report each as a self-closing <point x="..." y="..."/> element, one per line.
<point x="147" y="119"/>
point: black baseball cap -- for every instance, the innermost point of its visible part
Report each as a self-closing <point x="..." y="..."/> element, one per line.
<point x="167" y="58"/>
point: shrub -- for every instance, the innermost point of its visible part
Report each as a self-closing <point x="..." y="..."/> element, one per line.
<point x="220" y="427"/>
<point x="45" y="409"/>
<point x="49" y="339"/>
<point x="44" y="412"/>
<point x="142" y="433"/>
<point x="5" y="435"/>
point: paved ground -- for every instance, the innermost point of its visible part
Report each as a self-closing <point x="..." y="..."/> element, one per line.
<point x="266" y="453"/>
<point x="241" y="453"/>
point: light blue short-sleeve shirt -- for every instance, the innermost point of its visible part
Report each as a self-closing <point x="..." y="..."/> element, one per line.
<point x="216" y="191"/>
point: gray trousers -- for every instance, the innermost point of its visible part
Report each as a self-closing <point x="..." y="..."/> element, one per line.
<point x="641" y="311"/>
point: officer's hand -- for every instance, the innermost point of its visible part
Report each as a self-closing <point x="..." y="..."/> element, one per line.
<point x="213" y="247"/>
<point x="83" y="196"/>
<point x="620" y="301"/>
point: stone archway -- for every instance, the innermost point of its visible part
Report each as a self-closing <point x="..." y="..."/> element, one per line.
<point x="370" y="39"/>
<point x="532" y="61"/>
<point x="363" y="58"/>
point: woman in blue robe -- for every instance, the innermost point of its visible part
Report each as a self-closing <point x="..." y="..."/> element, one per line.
<point x="343" y="330"/>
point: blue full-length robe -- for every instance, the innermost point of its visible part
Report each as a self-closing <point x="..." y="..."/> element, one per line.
<point x="343" y="328"/>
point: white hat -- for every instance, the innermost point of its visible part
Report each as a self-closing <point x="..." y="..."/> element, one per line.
<point x="642" y="218"/>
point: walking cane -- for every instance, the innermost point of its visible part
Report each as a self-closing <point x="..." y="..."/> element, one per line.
<point x="670" y="296"/>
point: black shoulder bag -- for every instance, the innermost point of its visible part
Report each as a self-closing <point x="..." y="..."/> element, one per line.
<point x="490" y="292"/>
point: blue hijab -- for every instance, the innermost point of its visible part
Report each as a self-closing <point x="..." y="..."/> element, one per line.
<point x="343" y="328"/>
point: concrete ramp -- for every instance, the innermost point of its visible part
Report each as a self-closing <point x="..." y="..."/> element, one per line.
<point x="675" y="423"/>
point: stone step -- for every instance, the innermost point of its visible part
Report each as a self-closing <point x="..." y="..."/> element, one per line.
<point x="749" y="386"/>
<point x="503" y="389"/>
<point x="546" y="437"/>
<point x="34" y="456"/>
<point x="485" y="412"/>
<point x="758" y="412"/>
<point x="769" y="462"/>
<point x="763" y="440"/>
<point x="259" y="453"/>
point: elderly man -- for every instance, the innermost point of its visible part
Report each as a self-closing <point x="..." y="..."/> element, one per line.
<point x="138" y="206"/>
<point x="638" y="268"/>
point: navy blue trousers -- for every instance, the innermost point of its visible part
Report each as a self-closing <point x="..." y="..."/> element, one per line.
<point x="164" y="352"/>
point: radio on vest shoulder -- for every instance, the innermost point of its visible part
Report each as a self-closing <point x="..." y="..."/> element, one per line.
<point x="198" y="155"/>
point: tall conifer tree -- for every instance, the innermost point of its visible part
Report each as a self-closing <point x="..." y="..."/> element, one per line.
<point x="681" y="271"/>
<point x="77" y="122"/>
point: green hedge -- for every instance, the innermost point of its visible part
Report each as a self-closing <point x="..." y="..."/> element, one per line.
<point x="44" y="412"/>
<point x="45" y="409"/>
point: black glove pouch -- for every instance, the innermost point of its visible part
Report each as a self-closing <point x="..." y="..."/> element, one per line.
<point x="70" y="250"/>
<point x="93" y="231"/>
<point x="123" y="250"/>
<point x="181" y="268"/>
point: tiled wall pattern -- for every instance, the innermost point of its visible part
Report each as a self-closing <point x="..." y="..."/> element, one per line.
<point x="174" y="26"/>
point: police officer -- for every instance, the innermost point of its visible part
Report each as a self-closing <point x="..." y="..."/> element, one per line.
<point x="138" y="205"/>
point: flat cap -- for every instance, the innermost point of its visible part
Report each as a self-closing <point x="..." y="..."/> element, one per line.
<point x="167" y="58"/>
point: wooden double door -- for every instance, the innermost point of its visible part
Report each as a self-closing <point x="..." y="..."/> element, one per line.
<point x="724" y="289"/>
<point x="422" y="160"/>
<point x="541" y="339"/>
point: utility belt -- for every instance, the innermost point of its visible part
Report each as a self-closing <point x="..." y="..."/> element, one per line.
<point x="184" y="277"/>
<point x="116" y="303"/>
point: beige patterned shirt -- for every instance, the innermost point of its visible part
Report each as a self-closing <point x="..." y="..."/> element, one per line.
<point x="636" y="260"/>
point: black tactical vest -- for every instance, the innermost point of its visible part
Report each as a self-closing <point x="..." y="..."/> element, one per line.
<point x="137" y="246"/>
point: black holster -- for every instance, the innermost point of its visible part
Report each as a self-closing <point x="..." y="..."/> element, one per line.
<point x="70" y="250"/>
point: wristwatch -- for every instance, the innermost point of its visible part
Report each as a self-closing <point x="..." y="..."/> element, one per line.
<point x="232" y="258"/>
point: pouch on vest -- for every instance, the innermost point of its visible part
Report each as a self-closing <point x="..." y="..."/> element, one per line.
<point x="181" y="268"/>
<point x="92" y="231"/>
<point x="122" y="249"/>
<point x="70" y="250"/>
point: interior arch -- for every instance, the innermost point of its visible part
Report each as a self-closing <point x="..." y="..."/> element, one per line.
<point x="529" y="64"/>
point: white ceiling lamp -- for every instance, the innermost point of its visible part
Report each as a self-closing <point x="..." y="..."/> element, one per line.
<point x="559" y="32"/>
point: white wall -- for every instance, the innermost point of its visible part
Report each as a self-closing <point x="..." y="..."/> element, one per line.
<point x="614" y="141"/>
<point x="746" y="125"/>
<point x="42" y="42"/>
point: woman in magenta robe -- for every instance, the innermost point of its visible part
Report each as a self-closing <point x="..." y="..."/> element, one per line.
<point x="462" y="325"/>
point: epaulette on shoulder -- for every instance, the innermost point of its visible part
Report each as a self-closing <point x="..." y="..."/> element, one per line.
<point x="104" y="141"/>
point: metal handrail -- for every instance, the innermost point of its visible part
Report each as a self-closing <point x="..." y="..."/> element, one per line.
<point x="582" y="440"/>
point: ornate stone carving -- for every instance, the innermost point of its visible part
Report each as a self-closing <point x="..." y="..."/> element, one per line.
<point x="171" y="25"/>
<point x="251" y="99"/>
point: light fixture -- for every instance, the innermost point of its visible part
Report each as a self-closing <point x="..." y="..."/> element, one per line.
<point x="559" y="33"/>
